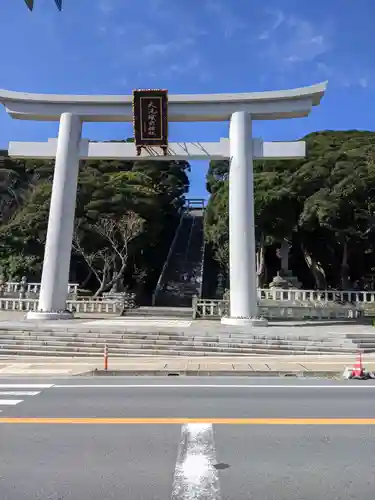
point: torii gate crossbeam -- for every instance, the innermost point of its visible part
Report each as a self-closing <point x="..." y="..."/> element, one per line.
<point x="176" y="150"/>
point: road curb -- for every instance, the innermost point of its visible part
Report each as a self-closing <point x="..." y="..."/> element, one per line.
<point x="206" y="373"/>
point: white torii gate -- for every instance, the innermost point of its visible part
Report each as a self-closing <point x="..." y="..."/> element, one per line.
<point x="241" y="148"/>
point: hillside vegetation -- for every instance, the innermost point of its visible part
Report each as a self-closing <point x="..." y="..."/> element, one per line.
<point x="126" y="216"/>
<point x="127" y="212"/>
<point x="323" y="205"/>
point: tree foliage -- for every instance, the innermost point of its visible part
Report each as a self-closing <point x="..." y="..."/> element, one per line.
<point x="112" y="197"/>
<point x="323" y="204"/>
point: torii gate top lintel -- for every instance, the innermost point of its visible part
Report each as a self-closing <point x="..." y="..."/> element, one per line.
<point x="269" y="105"/>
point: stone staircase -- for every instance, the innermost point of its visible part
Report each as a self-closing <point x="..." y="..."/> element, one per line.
<point x="182" y="277"/>
<point x="160" y="312"/>
<point x="90" y="342"/>
<point x="363" y="341"/>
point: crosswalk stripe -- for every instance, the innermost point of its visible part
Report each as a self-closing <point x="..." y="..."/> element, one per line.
<point x="10" y="402"/>
<point x="26" y="386"/>
<point x="19" y="393"/>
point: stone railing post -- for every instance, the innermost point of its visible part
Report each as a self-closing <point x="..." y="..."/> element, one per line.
<point x="194" y="305"/>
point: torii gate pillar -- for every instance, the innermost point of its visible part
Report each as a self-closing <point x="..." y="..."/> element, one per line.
<point x="56" y="265"/>
<point x="242" y="265"/>
<point x="239" y="109"/>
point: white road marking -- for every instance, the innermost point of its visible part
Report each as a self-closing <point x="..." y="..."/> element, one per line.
<point x="26" y="386"/>
<point x="37" y="371"/>
<point x="208" y="386"/>
<point x="19" y="393"/>
<point x="195" y="476"/>
<point x="10" y="402"/>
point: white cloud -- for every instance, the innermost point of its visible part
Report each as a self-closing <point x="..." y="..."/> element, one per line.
<point x="174" y="58"/>
<point x="349" y="77"/>
<point x="167" y="48"/>
<point x="229" y="23"/>
<point x="156" y="44"/>
<point x="155" y="49"/>
<point x="191" y="64"/>
<point x="279" y="18"/>
<point x="122" y="82"/>
<point x="106" y="6"/>
<point x="363" y="82"/>
<point x="102" y="29"/>
<point x="290" y="39"/>
<point x="293" y="46"/>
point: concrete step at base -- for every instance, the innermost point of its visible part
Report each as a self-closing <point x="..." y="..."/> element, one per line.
<point x="160" y="312"/>
<point x="92" y="348"/>
<point x="157" y="340"/>
<point x="238" y="337"/>
<point x="139" y="348"/>
<point x="143" y="353"/>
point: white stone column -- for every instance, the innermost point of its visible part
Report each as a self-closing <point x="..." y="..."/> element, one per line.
<point x="56" y="265"/>
<point x="242" y="251"/>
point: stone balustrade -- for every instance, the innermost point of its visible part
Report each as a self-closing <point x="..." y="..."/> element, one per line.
<point x="116" y="304"/>
<point x="304" y="296"/>
<point x="294" y="295"/>
<point x="15" y="287"/>
<point x="296" y="304"/>
<point x="280" y="309"/>
<point x="78" y="306"/>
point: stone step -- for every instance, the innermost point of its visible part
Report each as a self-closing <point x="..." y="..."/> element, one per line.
<point x="167" y="340"/>
<point x="362" y="336"/>
<point x="173" y="337"/>
<point x="75" y="346"/>
<point x="157" y="312"/>
<point x="173" y="347"/>
<point x="191" y="344"/>
<point x="170" y="333"/>
<point x="43" y="351"/>
<point x="154" y="339"/>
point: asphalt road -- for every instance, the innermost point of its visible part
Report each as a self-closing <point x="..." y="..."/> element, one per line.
<point x="186" y="438"/>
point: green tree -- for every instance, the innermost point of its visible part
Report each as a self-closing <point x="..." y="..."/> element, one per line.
<point x="107" y="190"/>
<point x="323" y="205"/>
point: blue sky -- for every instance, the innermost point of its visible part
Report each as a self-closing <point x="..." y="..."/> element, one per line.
<point x="192" y="46"/>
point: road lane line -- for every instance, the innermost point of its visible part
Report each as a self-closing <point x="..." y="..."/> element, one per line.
<point x="182" y="421"/>
<point x="195" y="475"/>
<point x="208" y="386"/>
<point x="10" y="402"/>
<point x="26" y="386"/>
<point x="19" y="393"/>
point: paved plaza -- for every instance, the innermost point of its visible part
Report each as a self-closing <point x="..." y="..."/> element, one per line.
<point x="111" y="323"/>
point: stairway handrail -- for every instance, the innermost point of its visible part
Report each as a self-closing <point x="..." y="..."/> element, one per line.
<point x="202" y="266"/>
<point x="189" y="242"/>
<point x="171" y="248"/>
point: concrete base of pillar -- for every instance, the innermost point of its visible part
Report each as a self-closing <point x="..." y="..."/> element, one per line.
<point x="49" y="315"/>
<point x="244" y="321"/>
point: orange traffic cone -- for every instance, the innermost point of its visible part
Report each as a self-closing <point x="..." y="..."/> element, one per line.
<point x="358" y="370"/>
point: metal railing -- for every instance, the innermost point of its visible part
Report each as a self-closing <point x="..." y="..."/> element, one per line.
<point x="195" y="203"/>
<point x="170" y="252"/>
